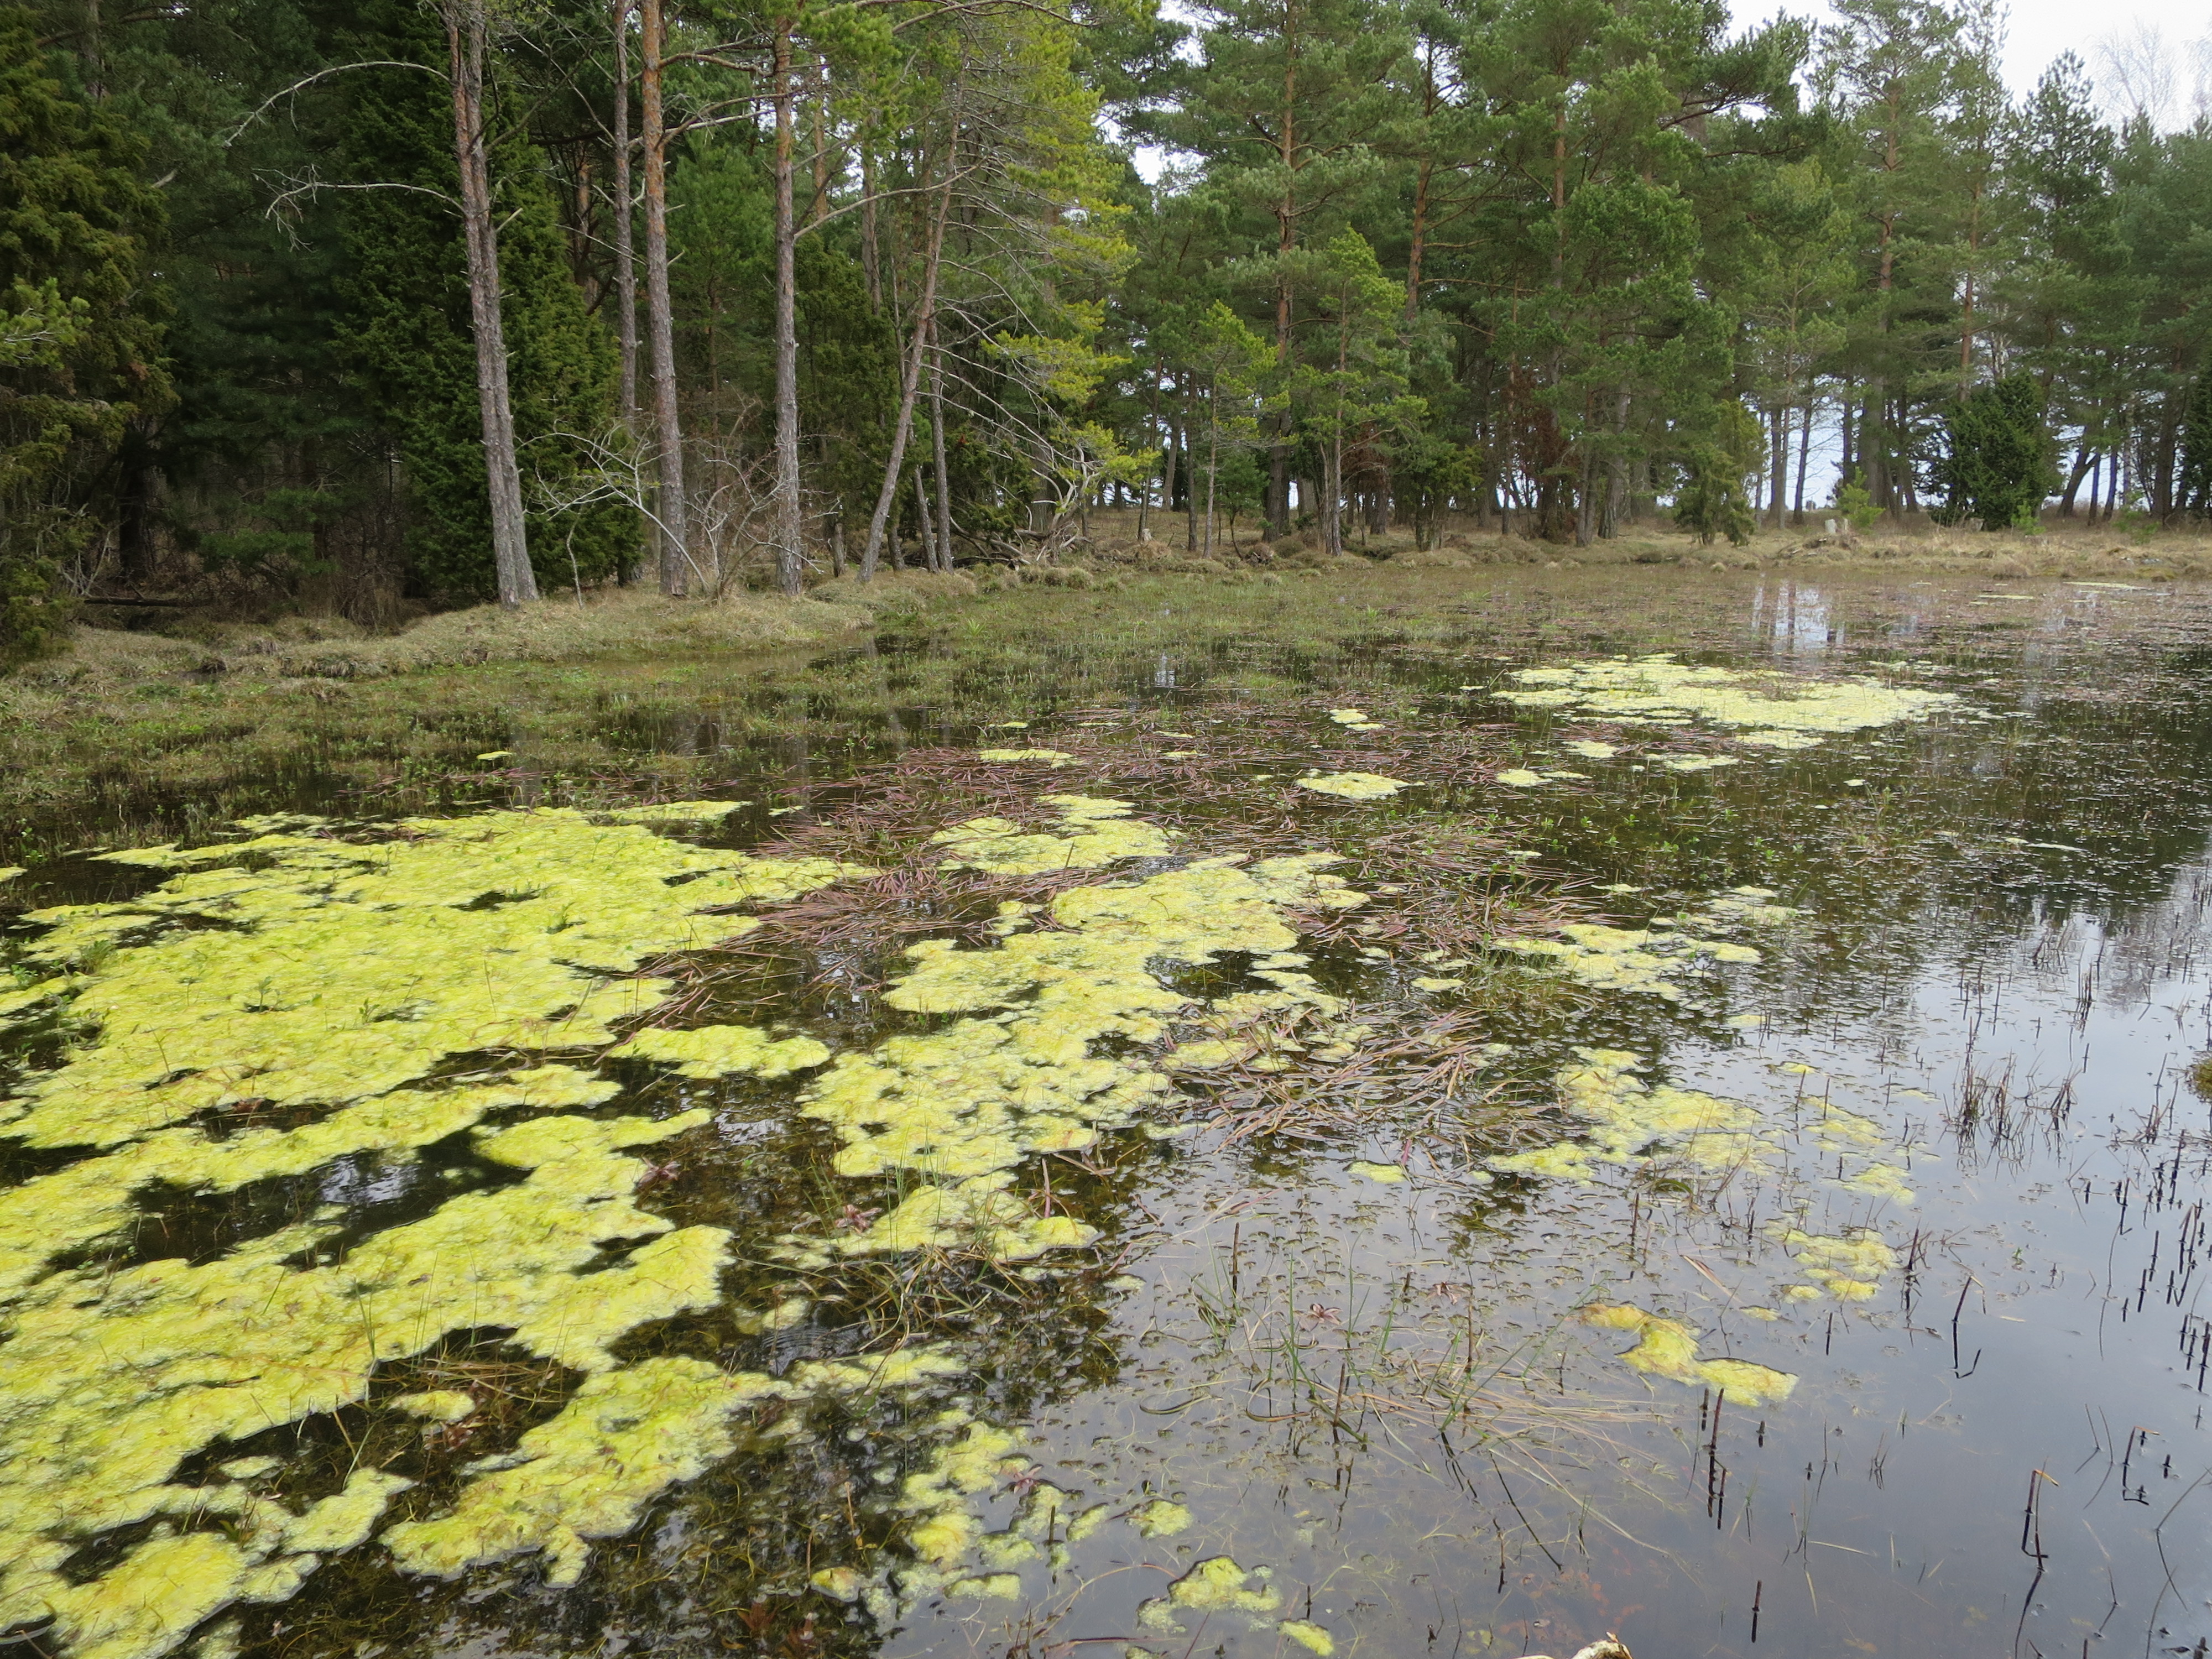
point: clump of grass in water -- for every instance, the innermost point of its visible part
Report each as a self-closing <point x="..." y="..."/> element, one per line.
<point x="2200" y="1076"/>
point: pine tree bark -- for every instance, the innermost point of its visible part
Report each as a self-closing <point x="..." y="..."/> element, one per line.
<point x="1286" y="237"/>
<point x="937" y="446"/>
<point x="871" y="259"/>
<point x="625" y="249"/>
<point x="1804" y="456"/>
<point x="659" y="323"/>
<point x="789" y="521"/>
<point x="466" y="26"/>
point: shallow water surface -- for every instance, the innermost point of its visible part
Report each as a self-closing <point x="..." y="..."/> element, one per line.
<point x="1731" y="1183"/>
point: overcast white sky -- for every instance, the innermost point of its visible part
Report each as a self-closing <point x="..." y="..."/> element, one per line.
<point x="2153" y="52"/>
<point x="2039" y="30"/>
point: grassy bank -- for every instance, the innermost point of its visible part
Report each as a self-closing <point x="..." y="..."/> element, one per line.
<point x="141" y="734"/>
<point x="186" y="718"/>
<point x="2059" y="550"/>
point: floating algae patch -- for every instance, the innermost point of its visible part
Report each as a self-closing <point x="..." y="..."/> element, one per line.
<point x="1696" y="762"/>
<point x="1055" y="758"/>
<point x="1354" y="720"/>
<point x="1648" y="960"/>
<point x="1309" y="1635"/>
<point x="934" y="1499"/>
<point x="1161" y="1518"/>
<point x="1628" y="1123"/>
<point x="1846" y="1135"/>
<point x="1751" y="906"/>
<point x="1353" y="786"/>
<point x="1591" y="749"/>
<point x="115" y="1377"/>
<point x="1215" y="1585"/>
<point x="1019" y="1076"/>
<point x="1775" y="710"/>
<point x="51" y="1215"/>
<point x="433" y="1405"/>
<point x="676" y="812"/>
<point x="1849" y="1267"/>
<point x="299" y="969"/>
<point x="712" y="1051"/>
<point x="1094" y="832"/>
<point x="1519" y="777"/>
<point x="978" y="1214"/>
<point x="624" y="1439"/>
<point x="1050" y="1519"/>
<point x="1668" y="1348"/>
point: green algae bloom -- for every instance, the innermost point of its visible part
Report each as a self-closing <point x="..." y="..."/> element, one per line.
<point x="1648" y="960"/>
<point x="1627" y="1123"/>
<point x="301" y="970"/>
<point x="1668" y="1348"/>
<point x="1849" y="1266"/>
<point x="1750" y="907"/>
<point x="677" y="812"/>
<point x="1519" y="777"/>
<point x="1696" y="762"/>
<point x="328" y="971"/>
<point x="1353" y="786"/>
<point x="1017" y="1076"/>
<point x="1055" y="758"/>
<point x="1382" y="1174"/>
<point x="624" y="1438"/>
<point x="712" y="1051"/>
<point x="116" y="1377"/>
<point x="1161" y="1519"/>
<point x="1775" y="710"/>
<point x="1309" y="1635"/>
<point x="1591" y="749"/>
<point x="1094" y="832"/>
<point x="1216" y="1584"/>
<point x="434" y="1406"/>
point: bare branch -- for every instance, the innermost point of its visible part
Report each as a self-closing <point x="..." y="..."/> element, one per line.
<point x="300" y="85"/>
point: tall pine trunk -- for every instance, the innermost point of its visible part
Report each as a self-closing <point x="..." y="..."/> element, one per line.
<point x="1286" y="237"/>
<point x="936" y="446"/>
<point x="1804" y="456"/>
<point x="790" y="550"/>
<point x="1212" y="457"/>
<point x="465" y="27"/>
<point x="668" y="428"/>
<point x="625" y="250"/>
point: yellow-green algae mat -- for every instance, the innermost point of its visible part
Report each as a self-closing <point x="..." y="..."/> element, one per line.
<point x="300" y="969"/>
<point x="1771" y="709"/>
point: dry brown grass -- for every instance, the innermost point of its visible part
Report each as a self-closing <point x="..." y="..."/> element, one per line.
<point x="2061" y="549"/>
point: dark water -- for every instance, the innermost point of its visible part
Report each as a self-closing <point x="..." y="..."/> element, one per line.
<point x="1378" y="1392"/>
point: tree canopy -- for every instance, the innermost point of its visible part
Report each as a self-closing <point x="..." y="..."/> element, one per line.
<point x="784" y="286"/>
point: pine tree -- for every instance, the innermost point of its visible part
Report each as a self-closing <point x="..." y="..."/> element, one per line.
<point x="408" y="342"/>
<point x="80" y="330"/>
<point x="1996" y="465"/>
<point x="1716" y="497"/>
<point x="2192" y="490"/>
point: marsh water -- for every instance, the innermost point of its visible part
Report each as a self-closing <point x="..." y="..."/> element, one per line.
<point x="1916" y="1290"/>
